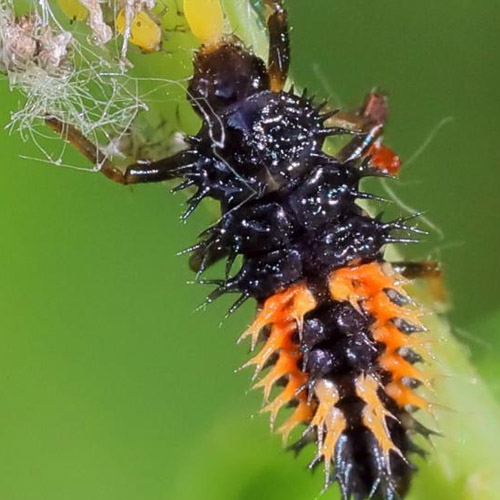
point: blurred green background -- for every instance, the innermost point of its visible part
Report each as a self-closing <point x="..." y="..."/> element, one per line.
<point x="112" y="387"/>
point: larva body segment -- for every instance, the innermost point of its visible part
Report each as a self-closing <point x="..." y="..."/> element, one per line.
<point x="359" y="378"/>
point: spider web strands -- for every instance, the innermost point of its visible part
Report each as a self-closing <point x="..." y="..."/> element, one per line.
<point x="102" y="107"/>
<point x="88" y="88"/>
<point x="63" y="74"/>
<point x="77" y="91"/>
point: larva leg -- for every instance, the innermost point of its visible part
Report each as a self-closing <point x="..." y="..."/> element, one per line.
<point x="430" y="271"/>
<point x="415" y="270"/>
<point x="279" y="45"/>
<point x="161" y="170"/>
<point x="367" y="125"/>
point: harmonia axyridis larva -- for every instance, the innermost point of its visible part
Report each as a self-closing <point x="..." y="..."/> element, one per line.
<point x="339" y="336"/>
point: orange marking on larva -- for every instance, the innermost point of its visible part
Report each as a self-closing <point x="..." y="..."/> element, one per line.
<point x="399" y="368"/>
<point x="304" y="412"/>
<point x="384" y="310"/>
<point x="280" y="337"/>
<point x="290" y="305"/>
<point x="360" y="282"/>
<point x="335" y="425"/>
<point x="364" y="287"/>
<point x="283" y="313"/>
<point x="395" y="340"/>
<point x="294" y="386"/>
<point x="391" y="336"/>
<point x="328" y="419"/>
<point x="364" y="281"/>
<point x="375" y="414"/>
<point x="405" y="396"/>
<point x="328" y="397"/>
<point x="286" y="364"/>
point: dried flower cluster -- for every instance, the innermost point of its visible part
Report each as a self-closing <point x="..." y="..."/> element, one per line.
<point x="81" y="80"/>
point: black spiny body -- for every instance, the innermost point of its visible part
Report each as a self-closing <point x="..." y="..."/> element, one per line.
<point x="339" y="333"/>
<point x="289" y="209"/>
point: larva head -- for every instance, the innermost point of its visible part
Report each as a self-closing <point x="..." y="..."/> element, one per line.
<point x="225" y="73"/>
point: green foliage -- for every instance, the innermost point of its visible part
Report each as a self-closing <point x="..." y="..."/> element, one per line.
<point x="111" y="387"/>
